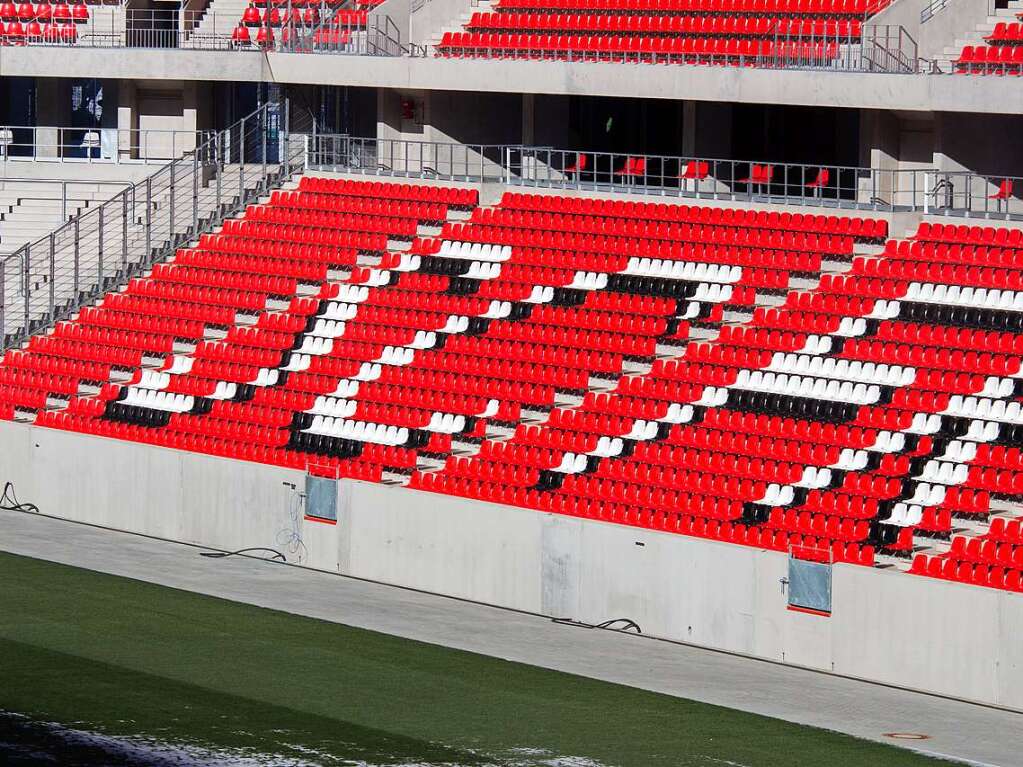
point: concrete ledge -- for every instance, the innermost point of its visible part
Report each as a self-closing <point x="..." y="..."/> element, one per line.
<point x="927" y="93"/>
<point x="133" y="63"/>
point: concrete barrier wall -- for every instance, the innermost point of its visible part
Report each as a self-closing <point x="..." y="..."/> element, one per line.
<point x="889" y="627"/>
<point x="155" y="491"/>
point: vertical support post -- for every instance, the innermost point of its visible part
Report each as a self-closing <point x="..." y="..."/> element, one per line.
<point x="3" y="305"/>
<point x="53" y="276"/>
<point x="25" y="283"/>
<point x="241" y="160"/>
<point x="195" y="191"/>
<point x="63" y="202"/>
<point x="218" y="167"/>
<point x="149" y="219"/>
<point x="78" y="233"/>
<point x="170" y="225"/>
<point x="124" y="224"/>
<point x="99" y="248"/>
<point x="263" y="129"/>
<point x="285" y="133"/>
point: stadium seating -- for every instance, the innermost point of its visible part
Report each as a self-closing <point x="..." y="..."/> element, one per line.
<point x="262" y="22"/>
<point x="1001" y="59"/>
<point x="736" y="32"/>
<point x="994" y="559"/>
<point x="600" y="358"/>
<point x="26" y="23"/>
<point x="1003" y="54"/>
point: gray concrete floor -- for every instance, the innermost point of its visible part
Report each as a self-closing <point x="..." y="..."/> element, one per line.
<point x="958" y="730"/>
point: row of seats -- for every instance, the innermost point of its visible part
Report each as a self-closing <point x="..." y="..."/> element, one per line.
<point x="724" y="32"/>
<point x="458" y="197"/>
<point x="861" y="229"/>
<point x="857" y="8"/>
<point x="965" y="235"/>
<point x="991" y="59"/>
<point x="16" y="33"/>
<point x="1006" y="33"/>
<point x="699" y="26"/>
<point x="665" y="49"/>
<point x="44" y="12"/>
<point x="951" y="569"/>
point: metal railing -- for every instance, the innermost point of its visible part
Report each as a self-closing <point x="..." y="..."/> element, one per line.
<point x="928" y="190"/>
<point x="49" y="279"/>
<point x="377" y="36"/>
<point x="311" y="28"/>
<point x="63" y="144"/>
<point x="426" y="159"/>
<point x="934" y="7"/>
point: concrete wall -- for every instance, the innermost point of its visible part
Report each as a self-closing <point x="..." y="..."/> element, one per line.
<point x="165" y="493"/>
<point x="168" y="112"/>
<point x="433" y="16"/>
<point x="998" y="95"/>
<point x="951" y="639"/>
<point x="447" y="117"/>
<point x="956" y="20"/>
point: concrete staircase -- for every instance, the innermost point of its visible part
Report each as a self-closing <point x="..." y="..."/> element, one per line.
<point x="950" y="54"/>
<point x="218" y="22"/>
<point x="29" y="210"/>
<point x="458" y="25"/>
<point x="103" y="261"/>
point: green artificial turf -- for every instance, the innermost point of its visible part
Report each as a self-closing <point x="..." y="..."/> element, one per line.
<point x="127" y="658"/>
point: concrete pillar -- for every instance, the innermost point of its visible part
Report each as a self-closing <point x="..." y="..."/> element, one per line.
<point x="127" y="120"/>
<point x="528" y="126"/>
<point x="879" y="150"/>
<point x="712" y="132"/>
<point x="688" y="128"/>
<point x="53" y="111"/>
<point x="711" y="140"/>
<point x="402" y="116"/>
<point x="189" y="118"/>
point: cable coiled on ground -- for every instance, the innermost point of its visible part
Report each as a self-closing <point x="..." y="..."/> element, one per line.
<point x="9" y="501"/>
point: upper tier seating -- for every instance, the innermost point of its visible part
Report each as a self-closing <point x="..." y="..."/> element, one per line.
<point x="1003" y="54"/>
<point x="263" y="21"/>
<point x="835" y="422"/>
<point x="729" y="32"/>
<point x="55" y="23"/>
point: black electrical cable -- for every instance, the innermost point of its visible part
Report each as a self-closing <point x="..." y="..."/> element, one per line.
<point x="609" y="625"/>
<point x="9" y="501"/>
<point x="277" y="556"/>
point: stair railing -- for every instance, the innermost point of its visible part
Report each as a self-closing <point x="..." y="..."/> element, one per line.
<point x="104" y="246"/>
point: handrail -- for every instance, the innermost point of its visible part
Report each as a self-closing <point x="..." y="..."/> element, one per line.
<point x="69" y="143"/>
<point x="47" y="280"/>
<point x="663" y="176"/>
<point x="311" y="29"/>
<point x="934" y="7"/>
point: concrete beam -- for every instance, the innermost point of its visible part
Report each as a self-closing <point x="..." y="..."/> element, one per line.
<point x="925" y="93"/>
<point x="134" y="63"/>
